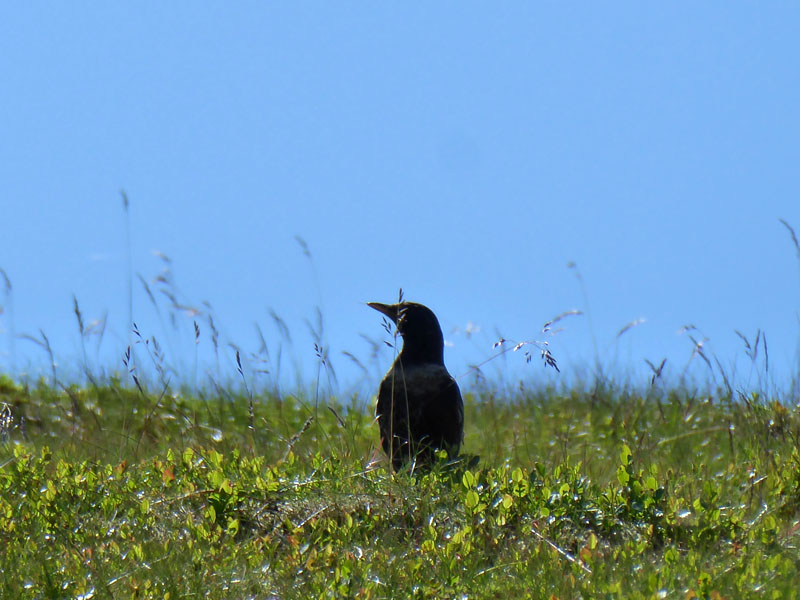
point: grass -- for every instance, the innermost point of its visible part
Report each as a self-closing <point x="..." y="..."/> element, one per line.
<point x="135" y="485"/>
<point x="108" y="491"/>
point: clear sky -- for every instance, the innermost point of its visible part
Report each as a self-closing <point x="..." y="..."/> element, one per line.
<point x="466" y="152"/>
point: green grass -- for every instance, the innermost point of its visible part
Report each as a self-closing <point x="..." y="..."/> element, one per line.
<point x="114" y="492"/>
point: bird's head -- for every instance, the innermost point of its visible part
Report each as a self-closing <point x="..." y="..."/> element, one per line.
<point x="417" y="324"/>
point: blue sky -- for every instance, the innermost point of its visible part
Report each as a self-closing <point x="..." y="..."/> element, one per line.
<point x="467" y="153"/>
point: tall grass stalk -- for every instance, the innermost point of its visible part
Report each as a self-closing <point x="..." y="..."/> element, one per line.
<point x="8" y="308"/>
<point x="129" y="272"/>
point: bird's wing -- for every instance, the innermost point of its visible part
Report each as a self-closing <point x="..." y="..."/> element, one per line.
<point x="429" y="397"/>
<point x="445" y="412"/>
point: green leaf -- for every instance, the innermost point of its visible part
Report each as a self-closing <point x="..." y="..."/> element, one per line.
<point x="468" y="480"/>
<point x="622" y="475"/>
<point x="625" y="455"/>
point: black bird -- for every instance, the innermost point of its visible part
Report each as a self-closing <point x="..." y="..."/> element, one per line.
<point x="419" y="409"/>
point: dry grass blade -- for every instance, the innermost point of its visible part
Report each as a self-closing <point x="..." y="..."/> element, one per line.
<point x="698" y="351"/>
<point x="657" y="371"/>
<point x="794" y="237"/>
<point x="724" y="376"/>
<point x="335" y="414"/>
<point x="76" y="309"/>
<point x="97" y="326"/>
<point x="50" y="355"/>
<point x="281" y="325"/>
<point x="138" y="384"/>
<point x="629" y="326"/>
<point x="238" y="362"/>
<point x="30" y="338"/>
<point x="147" y="290"/>
<point x="303" y="246"/>
<point x="744" y="340"/>
<point x="562" y="552"/>
<point x="374" y="345"/>
<point x="250" y="407"/>
<point x="563" y="315"/>
<point x="262" y="349"/>
<point x="389" y="327"/>
<point x="214" y="333"/>
<point x="355" y="361"/>
<point x="163" y="257"/>
<point x="296" y="437"/>
<point x="6" y="281"/>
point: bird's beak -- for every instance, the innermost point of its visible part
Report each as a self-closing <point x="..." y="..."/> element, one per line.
<point x="390" y="310"/>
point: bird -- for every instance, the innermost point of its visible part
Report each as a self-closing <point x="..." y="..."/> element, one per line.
<point x="420" y="410"/>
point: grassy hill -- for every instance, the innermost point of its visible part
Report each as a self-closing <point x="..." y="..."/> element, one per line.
<point x="112" y="491"/>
